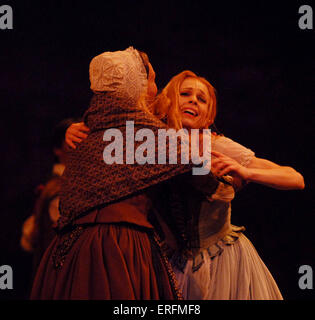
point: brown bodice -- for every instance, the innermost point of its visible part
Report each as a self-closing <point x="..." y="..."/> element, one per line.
<point x="131" y="210"/>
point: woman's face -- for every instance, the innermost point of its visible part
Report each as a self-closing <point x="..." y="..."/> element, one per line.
<point x="152" y="88"/>
<point x="194" y="101"/>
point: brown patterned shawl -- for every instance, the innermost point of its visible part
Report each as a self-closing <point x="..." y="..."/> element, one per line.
<point x="88" y="182"/>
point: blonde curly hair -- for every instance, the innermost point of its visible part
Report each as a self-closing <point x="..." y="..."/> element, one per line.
<point x="166" y="106"/>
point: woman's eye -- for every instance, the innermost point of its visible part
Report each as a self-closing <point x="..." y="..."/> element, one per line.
<point x="202" y="99"/>
<point x="184" y="93"/>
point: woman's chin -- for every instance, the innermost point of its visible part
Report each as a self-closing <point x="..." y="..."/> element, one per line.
<point x="189" y="123"/>
<point x="192" y="125"/>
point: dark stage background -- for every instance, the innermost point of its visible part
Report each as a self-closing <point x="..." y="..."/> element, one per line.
<point x="254" y="54"/>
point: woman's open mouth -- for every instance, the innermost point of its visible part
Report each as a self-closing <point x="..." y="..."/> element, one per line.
<point x="190" y="112"/>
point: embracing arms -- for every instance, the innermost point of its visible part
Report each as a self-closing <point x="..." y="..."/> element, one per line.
<point x="259" y="170"/>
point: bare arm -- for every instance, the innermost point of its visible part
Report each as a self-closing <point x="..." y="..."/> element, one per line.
<point x="271" y="174"/>
<point x="260" y="171"/>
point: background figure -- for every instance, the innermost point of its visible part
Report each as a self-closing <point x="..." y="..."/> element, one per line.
<point x="37" y="230"/>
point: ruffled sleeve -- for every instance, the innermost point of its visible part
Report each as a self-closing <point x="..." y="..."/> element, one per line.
<point x="233" y="150"/>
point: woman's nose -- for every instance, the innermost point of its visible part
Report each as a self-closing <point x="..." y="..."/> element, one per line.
<point x="193" y="100"/>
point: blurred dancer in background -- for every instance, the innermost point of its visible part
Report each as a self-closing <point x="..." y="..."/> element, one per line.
<point x="38" y="229"/>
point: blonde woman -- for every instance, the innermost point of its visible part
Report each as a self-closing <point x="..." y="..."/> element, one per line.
<point x="212" y="258"/>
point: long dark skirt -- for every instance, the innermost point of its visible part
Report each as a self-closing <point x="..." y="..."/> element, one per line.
<point x="104" y="261"/>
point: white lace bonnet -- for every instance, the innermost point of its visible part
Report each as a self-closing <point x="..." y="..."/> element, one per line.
<point x="122" y="72"/>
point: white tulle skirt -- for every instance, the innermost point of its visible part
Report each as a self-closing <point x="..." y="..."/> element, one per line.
<point x="238" y="273"/>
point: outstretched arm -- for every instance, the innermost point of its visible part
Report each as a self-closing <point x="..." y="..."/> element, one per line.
<point x="259" y="170"/>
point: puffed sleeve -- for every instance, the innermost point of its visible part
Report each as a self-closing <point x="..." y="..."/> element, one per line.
<point x="233" y="150"/>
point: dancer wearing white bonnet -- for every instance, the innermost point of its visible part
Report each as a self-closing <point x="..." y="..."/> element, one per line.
<point x="105" y="247"/>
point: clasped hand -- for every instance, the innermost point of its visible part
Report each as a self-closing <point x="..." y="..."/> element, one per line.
<point x="222" y="165"/>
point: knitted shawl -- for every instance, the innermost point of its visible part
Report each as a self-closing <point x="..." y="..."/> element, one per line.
<point x="90" y="183"/>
